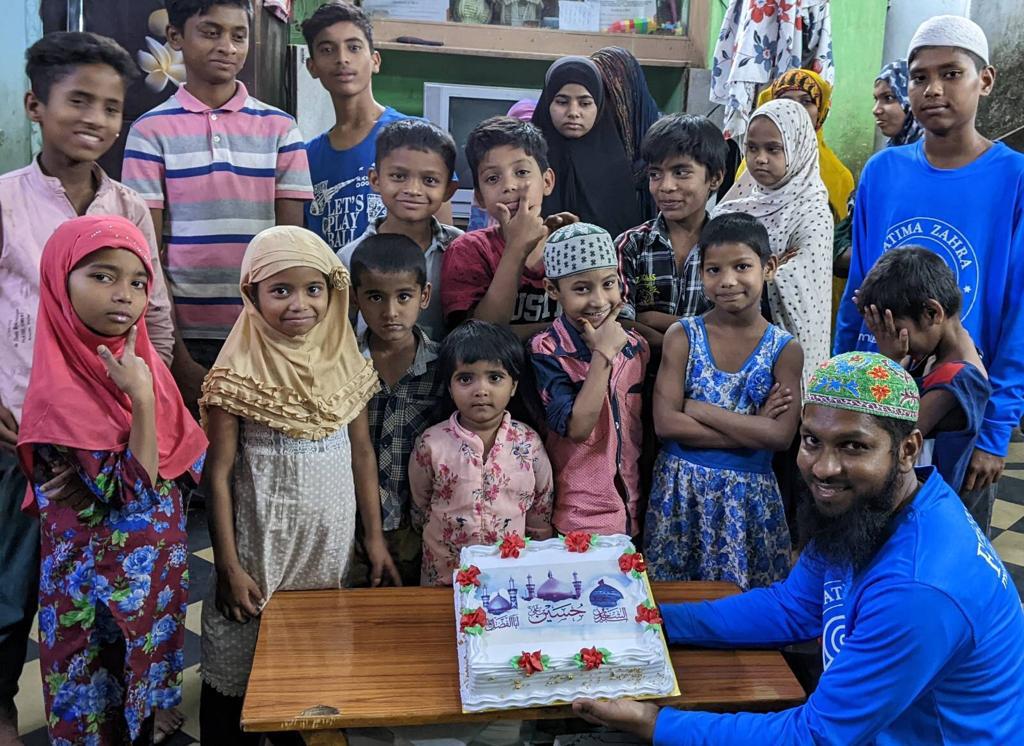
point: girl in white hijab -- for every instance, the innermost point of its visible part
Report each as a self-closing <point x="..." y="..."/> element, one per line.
<point x="783" y="189"/>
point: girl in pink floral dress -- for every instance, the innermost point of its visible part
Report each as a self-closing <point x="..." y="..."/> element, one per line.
<point x="103" y="417"/>
<point x="480" y="474"/>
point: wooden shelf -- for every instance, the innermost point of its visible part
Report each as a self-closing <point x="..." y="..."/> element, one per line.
<point x="546" y="44"/>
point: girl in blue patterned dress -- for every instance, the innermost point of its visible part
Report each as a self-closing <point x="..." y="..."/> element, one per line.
<point x="722" y="406"/>
<point x="108" y="446"/>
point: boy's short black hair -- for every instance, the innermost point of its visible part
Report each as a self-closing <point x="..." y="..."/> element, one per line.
<point x="390" y="254"/>
<point x="979" y="64"/>
<point x="179" y="11"/>
<point x="736" y="227"/>
<point x="498" y="131"/>
<point x="903" y="280"/>
<point x="53" y="57"/>
<point x="417" y="134"/>
<point x="334" y="12"/>
<point x="689" y="135"/>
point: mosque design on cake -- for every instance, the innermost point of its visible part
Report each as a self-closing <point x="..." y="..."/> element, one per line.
<point x="605" y="600"/>
<point x="554" y="589"/>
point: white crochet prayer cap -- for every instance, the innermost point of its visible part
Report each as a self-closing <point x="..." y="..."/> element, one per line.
<point x="578" y="247"/>
<point x="950" y="31"/>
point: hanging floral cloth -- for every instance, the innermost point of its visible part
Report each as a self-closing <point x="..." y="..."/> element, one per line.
<point x="760" y="40"/>
<point x="280" y="8"/>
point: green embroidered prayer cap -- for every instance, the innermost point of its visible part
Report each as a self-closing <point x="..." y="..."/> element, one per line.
<point x="864" y="382"/>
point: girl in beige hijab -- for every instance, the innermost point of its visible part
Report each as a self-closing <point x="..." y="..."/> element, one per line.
<point x="290" y="457"/>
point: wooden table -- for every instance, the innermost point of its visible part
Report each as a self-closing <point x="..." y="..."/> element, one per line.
<point x="327" y="660"/>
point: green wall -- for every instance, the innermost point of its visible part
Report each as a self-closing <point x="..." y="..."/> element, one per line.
<point x="858" y="31"/>
<point x="400" y="81"/>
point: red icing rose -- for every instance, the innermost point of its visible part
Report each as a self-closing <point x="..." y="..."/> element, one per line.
<point x="633" y="562"/>
<point x="477" y="618"/>
<point x="510" y="545"/>
<point x="469" y="576"/>
<point x="648" y="614"/>
<point x="577" y="541"/>
<point x="531" y="663"/>
<point x="592" y="658"/>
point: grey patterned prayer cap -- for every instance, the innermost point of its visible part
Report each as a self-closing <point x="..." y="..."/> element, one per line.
<point x="578" y="247"/>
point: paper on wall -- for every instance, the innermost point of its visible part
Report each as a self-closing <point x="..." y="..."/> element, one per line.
<point x="579" y="15"/>
<point x="408" y="10"/>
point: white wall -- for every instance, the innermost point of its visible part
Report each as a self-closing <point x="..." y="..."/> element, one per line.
<point x="906" y="15"/>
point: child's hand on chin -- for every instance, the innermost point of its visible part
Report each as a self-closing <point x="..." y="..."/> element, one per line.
<point x="607" y="339"/>
<point x="524" y="230"/>
<point x="130" y="372"/>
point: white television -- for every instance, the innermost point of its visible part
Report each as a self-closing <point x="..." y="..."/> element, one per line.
<point x="458" y="109"/>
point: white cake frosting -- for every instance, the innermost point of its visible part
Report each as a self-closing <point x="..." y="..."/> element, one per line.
<point x="556" y="601"/>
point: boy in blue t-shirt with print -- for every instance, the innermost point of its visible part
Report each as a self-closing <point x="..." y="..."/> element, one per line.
<point x="342" y="58"/>
<point x="961" y="196"/>
<point x="911" y="304"/>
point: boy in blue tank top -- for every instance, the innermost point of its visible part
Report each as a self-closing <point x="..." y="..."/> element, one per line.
<point x="962" y="196"/>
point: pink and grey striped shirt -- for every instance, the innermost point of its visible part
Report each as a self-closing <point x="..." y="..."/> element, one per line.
<point x="216" y="173"/>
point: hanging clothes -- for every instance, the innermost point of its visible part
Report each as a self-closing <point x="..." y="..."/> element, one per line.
<point x="759" y="40"/>
<point x="593" y="176"/>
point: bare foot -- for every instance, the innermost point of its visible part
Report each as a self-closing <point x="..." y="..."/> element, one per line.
<point x="166" y="723"/>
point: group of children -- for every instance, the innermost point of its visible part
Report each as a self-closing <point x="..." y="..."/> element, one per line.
<point x="378" y="390"/>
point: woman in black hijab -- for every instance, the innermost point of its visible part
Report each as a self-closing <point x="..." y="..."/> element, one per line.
<point x="593" y="175"/>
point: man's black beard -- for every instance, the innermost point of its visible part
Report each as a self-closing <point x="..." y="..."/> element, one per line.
<point x="852" y="537"/>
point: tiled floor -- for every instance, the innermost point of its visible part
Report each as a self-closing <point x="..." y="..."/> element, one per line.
<point x="1007" y="535"/>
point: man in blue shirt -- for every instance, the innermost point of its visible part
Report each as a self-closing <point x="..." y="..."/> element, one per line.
<point x="921" y="627"/>
<point x="962" y="196"/>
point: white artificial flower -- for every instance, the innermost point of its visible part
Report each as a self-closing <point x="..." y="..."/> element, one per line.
<point x="161" y="64"/>
<point x="158" y="23"/>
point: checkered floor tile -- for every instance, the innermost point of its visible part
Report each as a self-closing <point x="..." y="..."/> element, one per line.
<point x="1007" y="537"/>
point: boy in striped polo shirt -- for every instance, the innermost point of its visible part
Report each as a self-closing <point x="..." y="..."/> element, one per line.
<point x="216" y="167"/>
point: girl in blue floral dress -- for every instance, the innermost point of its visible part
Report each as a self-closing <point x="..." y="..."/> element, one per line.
<point x="105" y="430"/>
<point x="723" y="405"/>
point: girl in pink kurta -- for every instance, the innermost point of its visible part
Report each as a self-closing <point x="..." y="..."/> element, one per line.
<point x="481" y="474"/>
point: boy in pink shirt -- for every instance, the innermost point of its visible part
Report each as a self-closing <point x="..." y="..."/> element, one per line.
<point x="590" y="374"/>
<point x="78" y="82"/>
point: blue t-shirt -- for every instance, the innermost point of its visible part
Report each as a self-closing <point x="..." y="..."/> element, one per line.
<point x="973" y="217"/>
<point x="343" y="202"/>
<point x="950" y="450"/>
<point x="925" y="645"/>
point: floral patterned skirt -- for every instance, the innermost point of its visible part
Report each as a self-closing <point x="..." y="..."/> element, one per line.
<point x="715" y="524"/>
<point x="112" y="596"/>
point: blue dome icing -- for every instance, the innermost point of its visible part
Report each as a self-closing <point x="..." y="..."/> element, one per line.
<point x="553" y="589"/>
<point x="605" y="596"/>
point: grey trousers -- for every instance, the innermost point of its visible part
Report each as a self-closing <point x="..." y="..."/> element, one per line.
<point x="979" y="503"/>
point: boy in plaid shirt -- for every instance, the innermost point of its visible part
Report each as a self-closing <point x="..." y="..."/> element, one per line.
<point x="660" y="261"/>
<point x="389" y="282"/>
